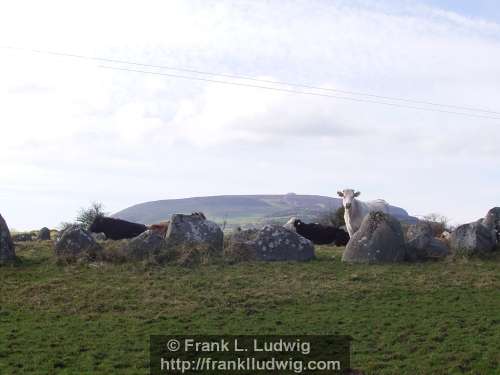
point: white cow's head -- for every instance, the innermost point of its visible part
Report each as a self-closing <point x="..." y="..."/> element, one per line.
<point x="290" y="224"/>
<point x="348" y="196"/>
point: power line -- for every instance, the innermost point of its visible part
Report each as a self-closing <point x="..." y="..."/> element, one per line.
<point x="242" y="77"/>
<point x="300" y="92"/>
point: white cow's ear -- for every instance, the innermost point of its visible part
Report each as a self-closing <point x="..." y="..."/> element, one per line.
<point x="340" y="194"/>
<point x="357" y="194"/>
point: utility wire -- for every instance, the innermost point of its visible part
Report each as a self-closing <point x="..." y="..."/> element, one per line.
<point x="242" y="77"/>
<point x="300" y="92"/>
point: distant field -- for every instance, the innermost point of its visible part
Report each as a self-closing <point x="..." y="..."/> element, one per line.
<point x="432" y="318"/>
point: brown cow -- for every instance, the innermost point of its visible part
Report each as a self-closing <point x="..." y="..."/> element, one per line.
<point x="160" y="228"/>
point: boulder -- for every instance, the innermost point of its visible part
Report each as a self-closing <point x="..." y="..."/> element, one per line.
<point x="379" y="239"/>
<point x="418" y="238"/>
<point x="471" y="239"/>
<point x="44" y="234"/>
<point x="190" y="240"/>
<point x="75" y="242"/>
<point x="492" y="222"/>
<point x="421" y="244"/>
<point x="143" y="246"/>
<point x="7" y="251"/>
<point x="242" y="246"/>
<point x="437" y="249"/>
<point x="194" y="229"/>
<point x="271" y="243"/>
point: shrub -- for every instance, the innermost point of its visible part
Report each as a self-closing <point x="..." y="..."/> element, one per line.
<point x="332" y="217"/>
<point x="438" y="223"/>
<point x="86" y="216"/>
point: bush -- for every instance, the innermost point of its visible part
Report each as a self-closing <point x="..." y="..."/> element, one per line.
<point x="438" y="223"/>
<point x="332" y="217"/>
<point x="86" y="216"/>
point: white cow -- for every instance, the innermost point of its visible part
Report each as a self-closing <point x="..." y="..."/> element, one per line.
<point x="356" y="210"/>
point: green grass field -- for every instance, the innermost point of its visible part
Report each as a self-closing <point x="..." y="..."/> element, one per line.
<point x="429" y="318"/>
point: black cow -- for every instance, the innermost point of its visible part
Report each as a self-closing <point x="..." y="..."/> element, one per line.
<point x="116" y="229"/>
<point x="321" y="234"/>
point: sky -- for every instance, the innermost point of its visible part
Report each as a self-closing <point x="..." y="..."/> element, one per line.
<point x="73" y="132"/>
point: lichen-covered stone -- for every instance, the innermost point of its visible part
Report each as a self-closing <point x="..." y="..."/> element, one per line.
<point x="379" y="239"/>
<point x="437" y="249"/>
<point x="7" y="250"/>
<point x="421" y="244"/>
<point x="271" y="243"/>
<point x="144" y="246"/>
<point x="76" y="242"/>
<point x="193" y="229"/>
<point x="492" y="222"/>
<point x="471" y="239"/>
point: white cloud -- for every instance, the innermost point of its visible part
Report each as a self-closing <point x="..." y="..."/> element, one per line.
<point x="72" y="127"/>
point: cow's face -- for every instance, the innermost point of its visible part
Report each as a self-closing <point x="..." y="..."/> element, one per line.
<point x="290" y="224"/>
<point x="348" y="196"/>
<point x="297" y="223"/>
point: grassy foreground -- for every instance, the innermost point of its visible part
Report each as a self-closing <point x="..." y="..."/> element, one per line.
<point x="432" y="318"/>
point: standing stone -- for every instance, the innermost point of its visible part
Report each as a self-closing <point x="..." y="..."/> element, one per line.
<point x="7" y="252"/>
<point x="271" y="243"/>
<point x="471" y="239"/>
<point x="492" y="222"/>
<point x="190" y="240"/>
<point x="193" y="229"/>
<point x="44" y="234"/>
<point x="418" y="238"/>
<point x="75" y="242"/>
<point x="379" y="239"/>
<point x="145" y="245"/>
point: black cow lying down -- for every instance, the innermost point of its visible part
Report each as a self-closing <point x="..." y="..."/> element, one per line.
<point x="321" y="234"/>
<point x="116" y="229"/>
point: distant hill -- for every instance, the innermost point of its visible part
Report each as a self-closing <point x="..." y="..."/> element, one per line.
<point x="244" y="210"/>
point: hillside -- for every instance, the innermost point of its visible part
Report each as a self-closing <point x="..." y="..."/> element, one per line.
<point x="241" y="209"/>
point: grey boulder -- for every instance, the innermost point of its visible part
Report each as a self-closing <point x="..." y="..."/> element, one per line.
<point x="7" y="251"/>
<point x="144" y="246"/>
<point x="194" y="230"/>
<point x="76" y="242"/>
<point x="492" y="222"/>
<point x="380" y="239"/>
<point x="271" y="243"/>
<point x="471" y="239"/>
<point x="421" y="244"/>
<point x="44" y="234"/>
<point x="437" y="249"/>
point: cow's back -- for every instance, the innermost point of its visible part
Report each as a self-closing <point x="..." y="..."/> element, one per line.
<point x="117" y="229"/>
<point x="377" y="205"/>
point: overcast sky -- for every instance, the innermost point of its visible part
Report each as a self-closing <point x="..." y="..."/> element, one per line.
<point x="72" y="132"/>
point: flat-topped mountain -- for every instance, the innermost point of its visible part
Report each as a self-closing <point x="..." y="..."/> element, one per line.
<point x="242" y="209"/>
